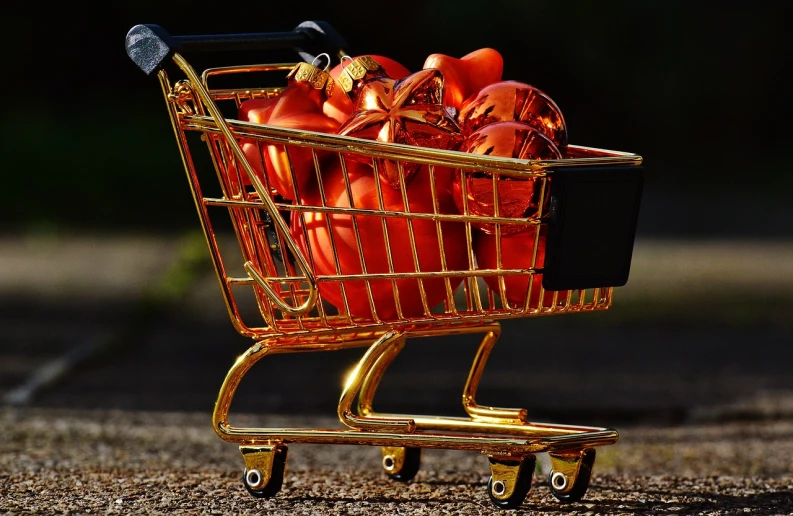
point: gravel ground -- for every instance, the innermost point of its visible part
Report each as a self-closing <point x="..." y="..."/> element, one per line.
<point x="691" y="366"/>
<point x="115" y="462"/>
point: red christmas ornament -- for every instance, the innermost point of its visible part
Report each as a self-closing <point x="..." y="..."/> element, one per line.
<point x="517" y="252"/>
<point x="467" y="75"/>
<point x="299" y="106"/>
<point x="517" y="197"/>
<point x="408" y="111"/>
<point x="512" y="101"/>
<point x="330" y="237"/>
<point x="339" y="105"/>
<point x="256" y="111"/>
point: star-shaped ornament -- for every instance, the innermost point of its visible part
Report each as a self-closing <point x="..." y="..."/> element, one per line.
<point x="408" y="111"/>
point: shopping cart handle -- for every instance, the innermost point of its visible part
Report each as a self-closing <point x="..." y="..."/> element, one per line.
<point x="150" y="46"/>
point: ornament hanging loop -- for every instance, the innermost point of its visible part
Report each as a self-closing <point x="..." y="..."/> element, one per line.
<point x="318" y="59"/>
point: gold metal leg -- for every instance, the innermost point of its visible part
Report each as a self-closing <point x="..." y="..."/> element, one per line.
<point x="478" y="412"/>
<point x="404" y="431"/>
<point x="492" y="331"/>
<point x="372" y="380"/>
<point x="507" y="421"/>
<point x="241" y="366"/>
<point x="368" y="366"/>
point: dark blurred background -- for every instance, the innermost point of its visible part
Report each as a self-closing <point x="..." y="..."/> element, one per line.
<point x="698" y="89"/>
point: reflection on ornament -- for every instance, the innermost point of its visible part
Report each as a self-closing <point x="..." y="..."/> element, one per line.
<point x="517" y="252"/>
<point x="352" y="72"/>
<point x="467" y="75"/>
<point x="408" y="111"/>
<point x="509" y="101"/>
<point x="298" y="106"/>
<point x="515" y="197"/>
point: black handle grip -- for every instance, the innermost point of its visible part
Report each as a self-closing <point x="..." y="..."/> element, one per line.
<point x="150" y="46"/>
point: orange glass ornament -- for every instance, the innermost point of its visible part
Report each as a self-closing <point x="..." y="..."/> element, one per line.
<point x="513" y="101"/>
<point x="516" y="197"/>
<point x="408" y="111"/>
<point x="256" y="111"/>
<point x="339" y="104"/>
<point x="331" y="239"/>
<point x="299" y="106"/>
<point x="467" y="75"/>
<point x="517" y="252"/>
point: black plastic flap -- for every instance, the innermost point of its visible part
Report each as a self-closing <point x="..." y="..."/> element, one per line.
<point x="592" y="227"/>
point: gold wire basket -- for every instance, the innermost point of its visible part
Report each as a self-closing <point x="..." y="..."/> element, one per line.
<point x="586" y="209"/>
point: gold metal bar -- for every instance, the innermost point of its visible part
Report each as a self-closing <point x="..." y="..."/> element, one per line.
<point x="318" y="174"/>
<point x="387" y="239"/>
<point x="526" y="429"/>
<point x="227" y="70"/>
<point x="353" y="386"/>
<point x="203" y="216"/>
<point x="307" y="305"/>
<point x="412" y="235"/>
<point x="258" y="351"/>
<point x="240" y="281"/>
<point x="502" y="288"/>
<point x="450" y="304"/>
<point x="372" y="379"/>
<point x="474" y="300"/>
<point x="393" y="151"/>
<point x="369" y="438"/>
<point x="332" y="238"/>
<point x="438" y="217"/>
<point x="358" y="243"/>
<point x="489" y="444"/>
<point x="501" y="415"/>
<point x="223" y="126"/>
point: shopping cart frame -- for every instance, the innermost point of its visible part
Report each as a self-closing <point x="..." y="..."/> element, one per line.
<point x="504" y="435"/>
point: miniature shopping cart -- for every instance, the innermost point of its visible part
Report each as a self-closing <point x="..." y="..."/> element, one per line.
<point x="587" y="207"/>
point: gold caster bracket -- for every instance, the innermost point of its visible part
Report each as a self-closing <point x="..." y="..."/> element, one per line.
<point x="510" y="480"/>
<point x="264" y="469"/>
<point x="401" y="463"/>
<point x="570" y="473"/>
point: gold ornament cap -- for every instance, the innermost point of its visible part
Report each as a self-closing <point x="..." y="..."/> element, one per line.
<point x="312" y="75"/>
<point x="359" y="68"/>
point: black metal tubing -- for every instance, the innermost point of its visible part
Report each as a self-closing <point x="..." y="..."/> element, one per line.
<point x="150" y="46"/>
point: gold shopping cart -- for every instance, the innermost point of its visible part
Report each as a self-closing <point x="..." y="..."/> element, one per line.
<point x="331" y="296"/>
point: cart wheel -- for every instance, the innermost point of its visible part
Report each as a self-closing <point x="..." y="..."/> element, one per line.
<point x="510" y="480"/>
<point x="401" y="464"/>
<point x="264" y="469"/>
<point x="570" y="474"/>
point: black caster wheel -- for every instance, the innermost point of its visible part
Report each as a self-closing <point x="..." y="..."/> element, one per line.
<point x="510" y="481"/>
<point x="258" y="484"/>
<point x="559" y="483"/>
<point x="401" y="464"/>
